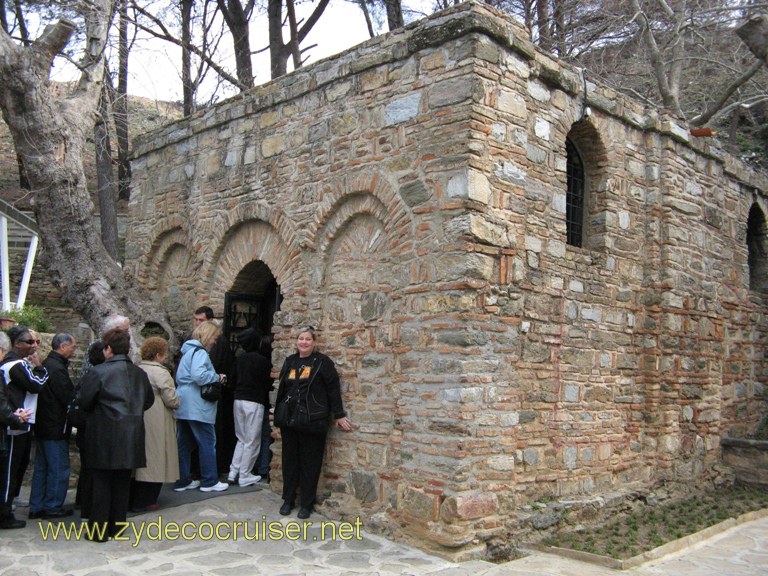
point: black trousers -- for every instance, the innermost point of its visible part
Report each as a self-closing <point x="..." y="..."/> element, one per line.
<point x="84" y="494"/>
<point x="302" y="463"/>
<point x="144" y="494"/>
<point x="109" y="504"/>
<point x="18" y="446"/>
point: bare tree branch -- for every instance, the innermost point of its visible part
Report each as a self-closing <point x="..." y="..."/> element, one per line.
<point x="169" y="37"/>
<point x="712" y="110"/>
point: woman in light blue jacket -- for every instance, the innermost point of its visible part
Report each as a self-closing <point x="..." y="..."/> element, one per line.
<point x="196" y="417"/>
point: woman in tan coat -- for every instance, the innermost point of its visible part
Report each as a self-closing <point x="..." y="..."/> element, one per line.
<point x="160" y="426"/>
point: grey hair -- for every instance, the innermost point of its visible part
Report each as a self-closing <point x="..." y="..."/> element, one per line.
<point x="115" y="321"/>
<point x="5" y="342"/>
<point x="60" y="339"/>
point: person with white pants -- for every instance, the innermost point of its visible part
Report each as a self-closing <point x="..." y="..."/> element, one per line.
<point x="251" y="393"/>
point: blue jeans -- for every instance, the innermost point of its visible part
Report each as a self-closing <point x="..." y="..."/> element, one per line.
<point x="50" y="478"/>
<point x="191" y="434"/>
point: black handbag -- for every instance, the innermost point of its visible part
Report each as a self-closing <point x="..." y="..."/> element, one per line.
<point x="211" y="392"/>
<point x="282" y="413"/>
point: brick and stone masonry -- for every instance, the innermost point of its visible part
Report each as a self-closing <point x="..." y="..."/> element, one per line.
<point x="409" y="198"/>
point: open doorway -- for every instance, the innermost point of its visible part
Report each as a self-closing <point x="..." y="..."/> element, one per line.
<point x="251" y="302"/>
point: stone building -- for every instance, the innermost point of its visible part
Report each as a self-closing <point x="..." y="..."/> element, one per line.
<point x="533" y="286"/>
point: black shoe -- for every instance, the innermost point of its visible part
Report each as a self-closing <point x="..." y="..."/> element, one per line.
<point x="304" y="513"/>
<point x="11" y="523"/>
<point x="36" y="515"/>
<point x="53" y="514"/>
<point x="286" y="508"/>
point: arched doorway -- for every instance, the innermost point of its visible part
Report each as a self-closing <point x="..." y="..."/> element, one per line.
<point x="252" y="301"/>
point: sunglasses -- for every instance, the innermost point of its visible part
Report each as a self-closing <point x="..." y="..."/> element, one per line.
<point x="307" y="328"/>
<point x="30" y="342"/>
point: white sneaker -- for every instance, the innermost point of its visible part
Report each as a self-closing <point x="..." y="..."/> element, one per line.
<point x="248" y="480"/>
<point x="191" y="486"/>
<point x="231" y="477"/>
<point x="218" y="487"/>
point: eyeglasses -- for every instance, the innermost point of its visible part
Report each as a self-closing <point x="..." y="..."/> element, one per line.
<point x="307" y="328"/>
<point x="30" y="342"/>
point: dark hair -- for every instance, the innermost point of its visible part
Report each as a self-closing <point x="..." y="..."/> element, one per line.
<point x="152" y="347"/>
<point x="207" y="310"/>
<point x="118" y="340"/>
<point x="250" y="339"/>
<point x="96" y="353"/>
<point x="60" y="339"/>
<point x="16" y="332"/>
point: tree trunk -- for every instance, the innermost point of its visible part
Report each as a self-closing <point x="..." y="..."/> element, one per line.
<point x="50" y="136"/>
<point x="367" y="15"/>
<point x="293" y="30"/>
<point x="186" y="57"/>
<point x="754" y="33"/>
<point x="279" y="52"/>
<point x="120" y="108"/>
<point x="544" y="24"/>
<point x="105" y="179"/>
<point x="278" y="58"/>
<point x="394" y="14"/>
<point x="237" y="22"/>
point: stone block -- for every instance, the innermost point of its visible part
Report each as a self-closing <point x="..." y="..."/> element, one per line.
<point x="419" y="504"/>
<point x="365" y="486"/>
<point x="469" y="507"/>
<point x="402" y="109"/>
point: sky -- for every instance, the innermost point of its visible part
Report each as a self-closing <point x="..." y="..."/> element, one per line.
<point x="154" y="65"/>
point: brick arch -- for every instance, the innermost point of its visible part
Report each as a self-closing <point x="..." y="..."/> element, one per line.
<point x="170" y="273"/>
<point x="757" y="247"/>
<point x="367" y="192"/>
<point x="168" y="234"/>
<point x="345" y="209"/>
<point x="241" y="220"/>
<point x="250" y="241"/>
<point x="597" y="156"/>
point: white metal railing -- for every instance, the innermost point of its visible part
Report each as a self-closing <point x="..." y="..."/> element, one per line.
<point x="7" y="211"/>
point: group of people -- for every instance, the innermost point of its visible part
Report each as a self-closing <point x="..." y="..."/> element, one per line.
<point x="138" y="427"/>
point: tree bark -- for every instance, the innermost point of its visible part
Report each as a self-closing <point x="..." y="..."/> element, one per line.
<point x="120" y="107"/>
<point x="279" y="52"/>
<point x="278" y="61"/>
<point x="50" y="136"/>
<point x="186" y="57"/>
<point x="394" y="14"/>
<point x="105" y="178"/>
<point x="236" y="16"/>
<point x="544" y="25"/>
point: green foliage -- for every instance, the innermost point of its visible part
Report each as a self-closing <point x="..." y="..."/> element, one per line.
<point x="628" y="534"/>
<point x="31" y="317"/>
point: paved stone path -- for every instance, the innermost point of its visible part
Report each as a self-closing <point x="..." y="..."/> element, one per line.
<point x="740" y="551"/>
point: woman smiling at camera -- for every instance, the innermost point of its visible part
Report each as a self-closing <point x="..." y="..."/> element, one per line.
<point x="309" y="393"/>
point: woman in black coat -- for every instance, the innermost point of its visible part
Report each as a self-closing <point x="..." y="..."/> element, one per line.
<point x="114" y="396"/>
<point x="309" y="393"/>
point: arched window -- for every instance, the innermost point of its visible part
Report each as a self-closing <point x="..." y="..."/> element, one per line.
<point x="757" y="249"/>
<point x="574" y="200"/>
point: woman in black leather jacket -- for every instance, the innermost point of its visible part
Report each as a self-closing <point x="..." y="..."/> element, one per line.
<point x="310" y="393"/>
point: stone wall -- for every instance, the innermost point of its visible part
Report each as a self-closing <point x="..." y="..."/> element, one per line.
<point x="409" y="197"/>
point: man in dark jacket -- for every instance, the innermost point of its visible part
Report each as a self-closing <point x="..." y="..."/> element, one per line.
<point x="50" y="479"/>
<point x="114" y="396"/>
<point x="25" y="378"/>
